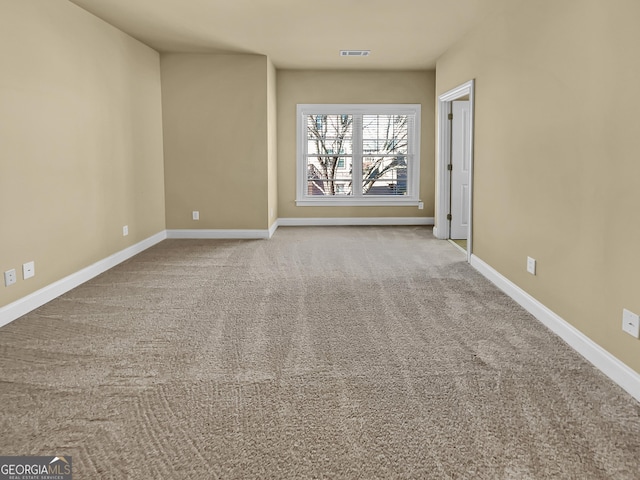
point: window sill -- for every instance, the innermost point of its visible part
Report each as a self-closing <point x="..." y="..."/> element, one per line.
<point x="358" y="202"/>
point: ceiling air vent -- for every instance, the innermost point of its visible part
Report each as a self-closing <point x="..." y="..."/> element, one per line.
<point x="355" y="53"/>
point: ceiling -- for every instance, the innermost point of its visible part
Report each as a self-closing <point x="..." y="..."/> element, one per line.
<point x="301" y="34"/>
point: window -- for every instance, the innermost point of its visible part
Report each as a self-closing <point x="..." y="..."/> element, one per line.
<point x="358" y="155"/>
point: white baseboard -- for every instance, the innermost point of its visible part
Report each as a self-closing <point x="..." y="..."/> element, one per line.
<point x="20" y="307"/>
<point x="295" y="222"/>
<point x="220" y="234"/>
<point x="460" y="249"/>
<point x="311" y="222"/>
<point x="623" y="375"/>
<point x="273" y="228"/>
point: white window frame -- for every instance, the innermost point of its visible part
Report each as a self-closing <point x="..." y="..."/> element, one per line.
<point x="412" y="198"/>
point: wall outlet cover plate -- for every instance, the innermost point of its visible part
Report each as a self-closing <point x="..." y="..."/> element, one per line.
<point x="531" y="265"/>
<point x="9" y="277"/>
<point x="631" y="323"/>
<point x="28" y="270"/>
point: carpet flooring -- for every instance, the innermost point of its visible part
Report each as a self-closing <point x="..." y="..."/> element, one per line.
<point x="328" y="353"/>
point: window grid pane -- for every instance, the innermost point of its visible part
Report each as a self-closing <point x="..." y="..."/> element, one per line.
<point x="329" y="126"/>
<point x="330" y="146"/>
<point x="384" y="175"/>
<point x="329" y="187"/>
<point x="385" y="134"/>
<point x="329" y="176"/>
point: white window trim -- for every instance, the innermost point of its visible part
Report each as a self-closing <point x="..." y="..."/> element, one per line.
<point x="413" y="168"/>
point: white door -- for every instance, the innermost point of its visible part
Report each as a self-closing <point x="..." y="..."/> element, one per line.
<point x="460" y="163"/>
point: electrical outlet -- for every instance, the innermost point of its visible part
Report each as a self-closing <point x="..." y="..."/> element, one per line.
<point x="125" y="230"/>
<point x="9" y="277"/>
<point x="531" y="265"/>
<point x="195" y="215"/>
<point x="420" y="205"/>
<point x="28" y="270"/>
<point x="631" y="323"/>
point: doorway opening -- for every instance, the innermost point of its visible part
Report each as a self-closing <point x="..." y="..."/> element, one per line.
<point x="455" y="167"/>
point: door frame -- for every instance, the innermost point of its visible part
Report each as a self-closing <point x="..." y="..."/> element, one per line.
<point x="443" y="185"/>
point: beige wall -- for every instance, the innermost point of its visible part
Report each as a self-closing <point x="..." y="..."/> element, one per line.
<point x="557" y="169"/>
<point x="273" y="142"/>
<point x="216" y="142"/>
<point x="295" y="86"/>
<point x="80" y="141"/>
